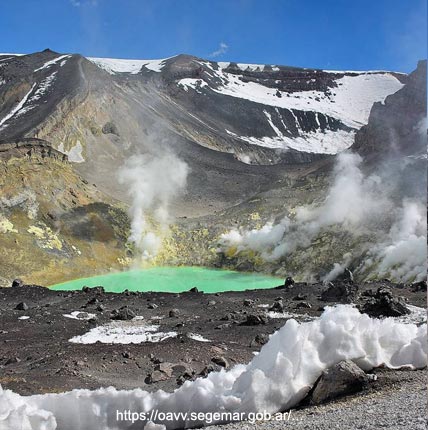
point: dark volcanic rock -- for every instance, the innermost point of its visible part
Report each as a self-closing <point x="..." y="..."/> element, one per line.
<point x="173" y="313"/>
<point x="260" y="339"/>
<point x="22" y="306"/>
<point x="255" y="319"/>
<point x="383" y="303"/>
<point x="340" y="292"/>
<point x="17" y="283"/>
<point x="220" y="361"/>
<point x="305" y="305"/>
<point x="12" y="360"/>
<point x="110" y="128"/>
<point x="341" y="379"/>
<point x="123" y="314"/>
<point x="346" y="276"/>
<point x="278" y="306"/>
<point x="419" y="286"/>
<point x="152" y="306"/>
<point x="289" y="282"/>
<point x="300" y="296"/>
<point x="248" y="302"/>
<point x="395" y="126"/>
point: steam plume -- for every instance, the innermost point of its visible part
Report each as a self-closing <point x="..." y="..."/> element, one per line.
<point x="152" y="181"/>
<point x="358" y="204"/>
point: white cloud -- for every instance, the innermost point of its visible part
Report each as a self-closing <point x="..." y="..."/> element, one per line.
<point x="222" y="49"/>
<point x="78" y="3"/>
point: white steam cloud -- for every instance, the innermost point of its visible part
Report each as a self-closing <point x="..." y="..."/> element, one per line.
<point x="403" y="255"/>
<point x="356" y="203"/>
<point x="153" y="182"/>
<point x="222" y="49"/>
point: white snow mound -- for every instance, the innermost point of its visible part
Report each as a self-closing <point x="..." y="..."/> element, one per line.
<point x="276" y="379"/>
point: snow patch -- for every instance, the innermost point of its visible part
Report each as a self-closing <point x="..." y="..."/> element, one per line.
<point x="124" y="332"/>
<point x="319" y="142"/>
<point x="54" y="61"/>
<point x="197" y="337"/>
<point x="195" y="84"/>
<point x="74" y="154"/>
<point x="113" y="65"/>
<point x="79" y="315"/>
<point x="17" y="109"/>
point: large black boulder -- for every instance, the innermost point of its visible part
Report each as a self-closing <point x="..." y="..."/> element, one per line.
<point x="382" y="303"/>
<point x="340" y="292"/>
<point x="341" y="379"/>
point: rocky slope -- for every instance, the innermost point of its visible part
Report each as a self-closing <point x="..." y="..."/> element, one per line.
<point x="259" y="141"/>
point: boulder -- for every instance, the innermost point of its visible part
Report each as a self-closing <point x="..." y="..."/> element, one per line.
<point x="123" y="314"/>
<point x="278" y="306"/>
<point x="305" y="305"/>
<point x="419" y="286"/>
<point x="341" y="379"/>
<point x="255" y="319"/>
<point x="21" y="306"/>
<point x="220" y="361"/>
<point x="156" y="376"/>
<point x="173" y="313"/>
<point x="383" y="303"/>
<point x="12" y="360"/>
<point x="260" y="339"/>
<point x="289" y="282"/>
<point x="92" y="301"/>
<point x="17" y="283"/>
<point x="346" y="276"/>
<point x="152" y="306"/>
<point x="340" y="292"/>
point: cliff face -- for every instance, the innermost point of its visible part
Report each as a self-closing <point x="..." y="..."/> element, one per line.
<point x="398" y="126"/>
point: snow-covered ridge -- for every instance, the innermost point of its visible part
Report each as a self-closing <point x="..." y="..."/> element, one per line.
<point x="54" y="61"/>
<point x="12" y="55"/>
<point x="277" y="379"/>
<point x="114" y="66"/>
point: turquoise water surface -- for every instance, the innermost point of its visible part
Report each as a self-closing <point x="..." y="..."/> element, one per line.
<point x="175" y="280"/>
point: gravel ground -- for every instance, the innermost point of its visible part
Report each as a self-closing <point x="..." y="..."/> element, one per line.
<point x="396" y="407"/>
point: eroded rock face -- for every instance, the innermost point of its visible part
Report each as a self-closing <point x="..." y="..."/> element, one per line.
<point x="393" y="128"/>
<point x="383" y="303"/>
<point x="341" y="379"/>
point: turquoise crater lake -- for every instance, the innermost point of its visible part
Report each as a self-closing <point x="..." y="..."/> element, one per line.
<point x="175" y="280"/>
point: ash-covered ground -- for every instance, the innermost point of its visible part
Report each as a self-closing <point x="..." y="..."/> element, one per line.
<point x="207" y="331"/>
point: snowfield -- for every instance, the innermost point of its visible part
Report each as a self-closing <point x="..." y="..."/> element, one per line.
<point x="277" y="379"/>
<point x="114" y="66"/>
<point x="350" y="102"/>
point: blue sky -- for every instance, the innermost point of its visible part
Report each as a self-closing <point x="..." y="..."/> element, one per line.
<point x="334" y="34"/>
